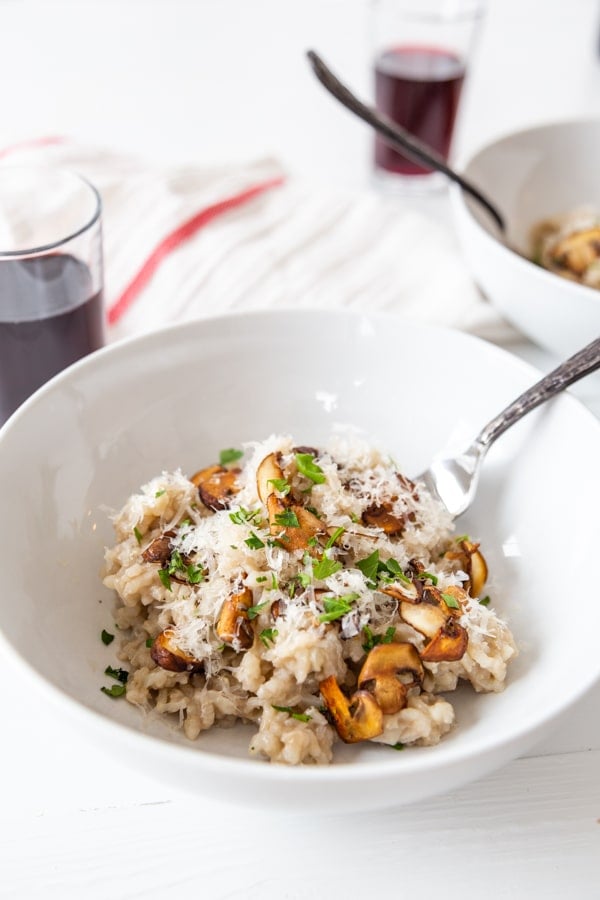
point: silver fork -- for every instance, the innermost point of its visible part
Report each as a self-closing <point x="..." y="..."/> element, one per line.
<point x="454" y="481"/>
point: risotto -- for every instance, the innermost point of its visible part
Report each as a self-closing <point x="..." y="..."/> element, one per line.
<point x="316" y="593"/>
<point x="569" y="246"/>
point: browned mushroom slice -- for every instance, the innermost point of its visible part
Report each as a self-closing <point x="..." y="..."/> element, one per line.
<point x="356" y="719"/>
<point x="382" y="517"/>
<point x="159" y="550"/>
<point x="388" y="672"/>
<point x="427" y="618"/>
<point x="282" y="522"/>
<point x="312" y="451"/>
<point x="477" y="569"/>
<point x="402" y="590"/>
<point x="233" y="626"/>
<point x="216" y="486"/>
<point x="472" y="561"/>
<point x="167" y="654"/>
<point x="577" y="251"/>
<point x="268" y="471"/>
<point x="448" y="645"/>
<point x="461" y="598"/>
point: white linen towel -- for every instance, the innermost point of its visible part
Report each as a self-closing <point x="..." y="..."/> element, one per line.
<point x="190" y="241"/>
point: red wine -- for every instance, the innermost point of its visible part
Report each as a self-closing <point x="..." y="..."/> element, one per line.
<point x="49" y="318"/>
<point x="419" y="88"/>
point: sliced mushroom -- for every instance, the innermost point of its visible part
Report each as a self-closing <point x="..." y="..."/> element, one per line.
<point x="159" y="550"/>
<point x="167" y="654"/>
<point x="578" y="250"/>
<point x="277" y="609"/>
<point x="448" y="645"/>
<point x="381" y="516"/>
<point x="293" y="537"/>
<point x="267" y="471"/>
<point x="312" y="451"/>
<point x="234" y="626"/>
<point x="471" y="561"/>
<point x="402" y="590"/>
<point x="356" y="719"/>
<point x="388" y="672"/>
<point x="460" y="596"/>
<point x="216" y="486"/>
<point x="477" y="569"/>
<point x="427" y="618"/>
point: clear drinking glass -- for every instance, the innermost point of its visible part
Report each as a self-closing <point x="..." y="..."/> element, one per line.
<point x="421" y="50"/>
<point x="51" y="304"/>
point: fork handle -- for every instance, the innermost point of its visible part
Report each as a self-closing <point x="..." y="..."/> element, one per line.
<point x="582" y="363"/>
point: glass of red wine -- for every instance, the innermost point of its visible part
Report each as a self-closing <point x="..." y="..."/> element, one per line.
<point x="421" y="49"/>
<point x="51" y="306"/>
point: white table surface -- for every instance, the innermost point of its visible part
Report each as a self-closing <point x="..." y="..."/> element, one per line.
<point x="217" y="80"/>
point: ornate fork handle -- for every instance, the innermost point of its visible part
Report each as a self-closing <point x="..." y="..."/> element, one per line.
<point x="574" y="368"/>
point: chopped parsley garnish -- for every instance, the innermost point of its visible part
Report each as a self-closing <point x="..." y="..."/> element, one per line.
<point x="253" y="611"/>
<point x="281" y="485"/>
<point x="261" y="579"/>
<point x="268" y="635"/>
<point x="245" y="516"/>
<point x="118" y="674"/>
<point x="398" y="746"/>
<point x="369" y="566"/>
<point x="176" y="563"/>
<point x="450" y="601"/>
<point x="334" y="537"/>
<point x="149" y="641"/>
<point x="301" y="717"/>
<point x="314" y="511"/>
<point x="312" y="542"/>
<point x="116" y="690"/>
<point x="371" y="640"/>
<point x="375" y="569"/>
<point x="159" y="494"/>
<point x="461" y="538"/>
<point x="304" y="579"/>
<point x="428" y="576"/>
<point x="308" y="467"/>
<point x="325" y="567"/>
<point x="164" y="576"/>
<point x="194" y="574"/>
<point x="107" y="638"/>
<point x="336" y="607"/>
<point x="230" y="455"/>
<point x="138" y="534"/>
<point x="393" y="567"/>
<point x="485" y="601"/>
<point x="287" y="519"/>
<point x="254" y="542"/>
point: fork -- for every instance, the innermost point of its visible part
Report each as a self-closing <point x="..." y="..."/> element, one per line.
<point x="454" y="480"/>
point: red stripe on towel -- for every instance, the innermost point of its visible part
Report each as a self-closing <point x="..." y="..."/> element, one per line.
<point x="34" y="142"/>
<point x="177" y="237"/>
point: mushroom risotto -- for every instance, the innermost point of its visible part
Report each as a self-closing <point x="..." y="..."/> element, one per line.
<point x="316" y="593"/>
<point x="569" y="246"/>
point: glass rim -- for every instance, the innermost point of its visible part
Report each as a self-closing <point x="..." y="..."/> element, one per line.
<point x="53" y="245"/>
<point x="468" y="10"/>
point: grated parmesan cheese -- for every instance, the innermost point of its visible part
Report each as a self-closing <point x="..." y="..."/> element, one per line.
<point x="306" y="612"/>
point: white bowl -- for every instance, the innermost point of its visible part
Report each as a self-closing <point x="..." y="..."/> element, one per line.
<point x="90" y="437"/>
<point x="533" y="175"/>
